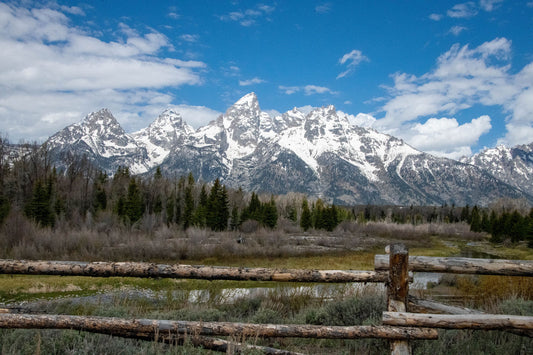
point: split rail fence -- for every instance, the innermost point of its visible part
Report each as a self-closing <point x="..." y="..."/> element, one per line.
<point x="399" y="325"/>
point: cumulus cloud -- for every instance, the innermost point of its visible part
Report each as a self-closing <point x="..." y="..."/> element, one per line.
<point x="446" y="137"/>
<point x="463" y="77"/>
<point x="361" y="119"/>
<point x="196" y="116"/>
<point x="51" y="71"/>
<point x="251" y="82"/>
<point x="435" y="17"/>
<point x="351" y="60"/>
<point x="307" y="89"/>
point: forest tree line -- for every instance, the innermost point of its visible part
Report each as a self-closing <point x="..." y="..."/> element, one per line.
<point x="30" y="184"/>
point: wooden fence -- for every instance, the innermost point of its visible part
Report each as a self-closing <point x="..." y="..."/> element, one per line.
<point x="399" y="325"/>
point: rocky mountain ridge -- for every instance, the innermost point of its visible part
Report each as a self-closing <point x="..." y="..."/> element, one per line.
<point x="319" y="153"/>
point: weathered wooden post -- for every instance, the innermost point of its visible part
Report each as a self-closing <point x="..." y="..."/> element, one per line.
<point x="398" y="290"/>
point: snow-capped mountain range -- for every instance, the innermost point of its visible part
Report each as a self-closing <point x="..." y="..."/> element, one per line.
<point x="320" y="153"/>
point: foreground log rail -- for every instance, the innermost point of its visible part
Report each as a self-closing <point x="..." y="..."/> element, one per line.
<point x="153" y="327"/>
<point x="401" y="325"/>
<point x="179" y="271"/>
<point x="462" y="265"/>
<point x="459" y="321"/>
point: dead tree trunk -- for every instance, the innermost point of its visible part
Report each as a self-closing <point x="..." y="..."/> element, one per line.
<point x="462" y="265"/>
<point x="150" y="327"/>
<point x="138" y="269"/>
<point x="397" y="290"/>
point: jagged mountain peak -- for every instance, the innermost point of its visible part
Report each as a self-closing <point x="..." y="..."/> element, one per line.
<point x="170" y="120"/>
<point x="318" y="152"/>
<point x="102" y="116"/>
<point x="246" y="108"/>
<point x="249" y="99"/>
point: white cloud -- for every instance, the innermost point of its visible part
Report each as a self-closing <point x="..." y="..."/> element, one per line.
<point x="463" y="77"/>
<point x="307" y="89"/>
<point x="446" y="137"/>
<point x="435" y="17"/>
<point x="73" y="10"/>
<point x="361" y="119"/>
<point x="314" y="89"/>
<point x="323" y="8"/>
<point x="351" y="60"/>
<point x="248" y="17"/>
<point x="289" y="90"/>
<point x="196" y="116"/>
<point x="465" y="10"/>
<point x="189" y="38"/>
<point x="51" y="71"/>
<point x="489" y="5"/>
<point x="456" y="30"/>
<point x="251" y="82"/>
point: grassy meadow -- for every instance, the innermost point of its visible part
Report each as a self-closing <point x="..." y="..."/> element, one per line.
<point x="348" y="247"/>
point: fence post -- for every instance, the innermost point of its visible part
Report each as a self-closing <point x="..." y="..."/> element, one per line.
<point x="397" y="290"/>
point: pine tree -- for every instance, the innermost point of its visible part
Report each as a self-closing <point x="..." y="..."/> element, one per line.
<point x="200" y="214"/>
<point x="270" y="213"/>
<point x="293" y="214"/>
<point x="40" y="206"/>
<point x="134" y="207"/>
<point x="188" y="208"/>
<point x="305" y="218"/>
<point x="223" y="210"/>
<point x="475" y="220"/>
<point x="235" y="219"/>
<point x="465" y="214"/>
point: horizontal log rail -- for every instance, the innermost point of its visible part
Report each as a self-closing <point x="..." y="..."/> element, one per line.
<point x="462" y="265"/>
<point x="178" y="271"/>
<point x="460" y="321"/>
<point x="150" y="327"/>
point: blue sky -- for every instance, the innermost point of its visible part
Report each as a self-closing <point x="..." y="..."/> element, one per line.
<point x="448" y="77"/>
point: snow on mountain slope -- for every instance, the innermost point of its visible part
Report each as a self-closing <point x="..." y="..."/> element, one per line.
<point x="319" y="153"/>
<point x="512" y="165"/>
<point x="101" y="139"/>
<point x="161" y="136"/>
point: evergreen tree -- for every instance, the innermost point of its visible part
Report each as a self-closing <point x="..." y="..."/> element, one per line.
<point x="253" y="211"/>
<point x="223" y="210"/>
<point x="171" y="209"/>
<point x="485" y="222"/>
<point x="218" y="210"/>
<point x="200" y="214"/>
<point x="518" y="228"/>
<point x="465" y="214"/>
<point x="305" y="218"/>
<point x="293" y="214"/>
<point x="188" y="208"/>
<point x="40" y="206"/>
<point x="475" y="220"/>
<point x="270" y="213"/>
<point x="134" y="206"/>
<point x="495" y="228"/>
<point x="331" y="219"/>
<point x="5" y="206"/>
<point x="235" y="220"/>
